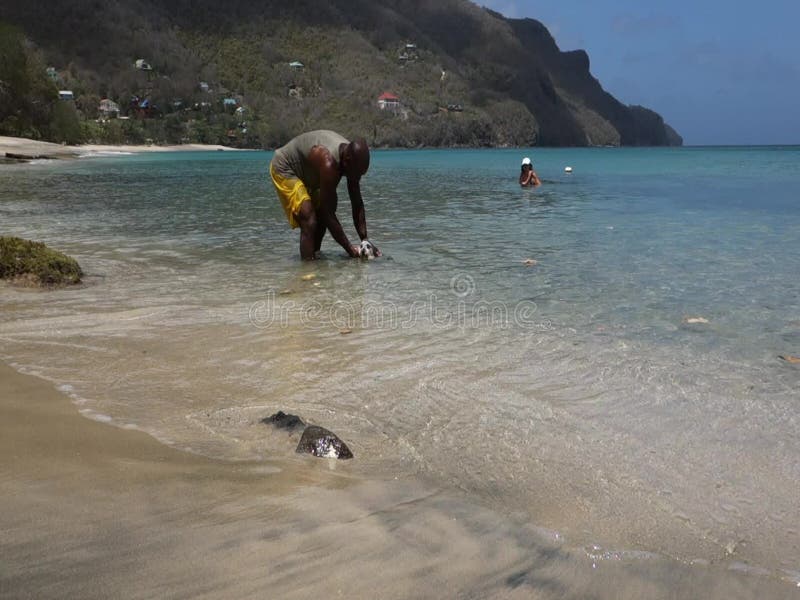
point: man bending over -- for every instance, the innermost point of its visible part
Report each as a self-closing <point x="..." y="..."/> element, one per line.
<point x="306" y="172"/>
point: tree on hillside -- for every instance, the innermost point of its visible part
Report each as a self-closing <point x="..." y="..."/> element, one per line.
<point x="27" y="96"/>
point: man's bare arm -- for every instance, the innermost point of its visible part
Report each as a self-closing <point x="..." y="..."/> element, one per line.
<point x="359" y="215"/>
<point x="333" y="225"/>
<point x="329" y="179"/>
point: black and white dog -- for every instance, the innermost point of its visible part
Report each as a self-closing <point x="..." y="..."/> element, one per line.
<point x="367" y="250"/>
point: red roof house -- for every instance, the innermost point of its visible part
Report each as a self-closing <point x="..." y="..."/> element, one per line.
<point x="388" y="100"/>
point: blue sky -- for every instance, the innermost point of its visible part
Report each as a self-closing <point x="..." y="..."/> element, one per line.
<point x="718" y="72"/>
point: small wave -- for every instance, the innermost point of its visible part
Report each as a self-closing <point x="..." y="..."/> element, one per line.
<point x="95" y="416"/>
<point x="40" y="161"/>
<point x="101" y="154"/>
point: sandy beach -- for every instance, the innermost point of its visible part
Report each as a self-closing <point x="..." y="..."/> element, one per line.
<point x="93" y="511"/>
<point x="26" y="149"/>
<point x="88" y="510"/>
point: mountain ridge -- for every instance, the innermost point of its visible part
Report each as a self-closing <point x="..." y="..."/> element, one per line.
<point x="473" y="78"/>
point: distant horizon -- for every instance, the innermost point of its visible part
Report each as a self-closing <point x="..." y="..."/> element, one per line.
<point x="718" y="76"/>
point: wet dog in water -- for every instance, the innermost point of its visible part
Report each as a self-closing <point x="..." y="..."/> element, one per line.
<point x="366" y="250"/>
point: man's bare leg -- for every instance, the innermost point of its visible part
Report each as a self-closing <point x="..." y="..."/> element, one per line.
<point x="321" y="229"/>
<point x="319" y="234"/>
<point x="307" y="217"/>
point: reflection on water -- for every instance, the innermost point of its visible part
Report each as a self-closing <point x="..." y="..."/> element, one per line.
<point x="602" y="413"/>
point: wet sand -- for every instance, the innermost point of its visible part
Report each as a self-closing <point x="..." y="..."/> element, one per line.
<point x="88" y="510"/>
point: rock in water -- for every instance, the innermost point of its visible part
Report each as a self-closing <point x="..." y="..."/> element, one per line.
<point x="33" y="264"/>
<point x="323" y="443"/>
<point x="281" y="420"/>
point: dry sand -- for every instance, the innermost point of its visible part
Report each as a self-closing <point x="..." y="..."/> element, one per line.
<point x="32" y="149"/>
<point x="88" y="510"/>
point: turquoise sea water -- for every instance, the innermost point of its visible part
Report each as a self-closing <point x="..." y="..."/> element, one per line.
<point x="597" y="356"/>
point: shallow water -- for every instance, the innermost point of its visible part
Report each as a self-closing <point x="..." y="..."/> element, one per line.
<point x="570" y="393"/>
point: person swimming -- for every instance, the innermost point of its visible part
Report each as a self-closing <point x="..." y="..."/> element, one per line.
<point x="527" y="176"/>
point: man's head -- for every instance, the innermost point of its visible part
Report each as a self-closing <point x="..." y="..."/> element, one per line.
<point x="355" y="158"/>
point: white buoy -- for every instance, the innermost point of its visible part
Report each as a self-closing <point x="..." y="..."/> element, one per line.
<point x="567" y="169"/>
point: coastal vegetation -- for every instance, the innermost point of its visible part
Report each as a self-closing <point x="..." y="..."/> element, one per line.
<point x="29" y="105"/>
<point x="254" y="74"/>
<point x="32" y="263"/>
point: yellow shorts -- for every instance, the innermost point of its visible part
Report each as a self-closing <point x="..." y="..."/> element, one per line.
<point x="292" y="193"/>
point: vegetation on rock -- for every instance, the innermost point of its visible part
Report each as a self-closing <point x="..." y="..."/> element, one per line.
<point x="33" y="263"/>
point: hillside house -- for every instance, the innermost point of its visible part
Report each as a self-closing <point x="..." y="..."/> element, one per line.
<point x="143" y="108"/>
<point x="388" y="101"/>
<point x="142" y="65"/>
<point x="66" y="95"/>
<point x="407" y="54"/>
<point x="204" y="87"/>
<point x="230" y="103"/>
<point x="296" y="65"/>
<point x="52" y="74"/>
<point x="108" y="108"/>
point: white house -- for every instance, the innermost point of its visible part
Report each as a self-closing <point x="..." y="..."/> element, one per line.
<point x="108" y="108"/>
<point x="388" y="101"/>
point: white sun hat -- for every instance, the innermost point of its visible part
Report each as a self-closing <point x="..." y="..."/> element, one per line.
<point x="526" y="161"/>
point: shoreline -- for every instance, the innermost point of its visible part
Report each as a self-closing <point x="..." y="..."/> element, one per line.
<point x="118" y="514"/>
<point x="24" y="150"/>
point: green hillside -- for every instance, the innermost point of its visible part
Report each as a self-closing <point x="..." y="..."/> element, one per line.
<point x="220" y="73"/>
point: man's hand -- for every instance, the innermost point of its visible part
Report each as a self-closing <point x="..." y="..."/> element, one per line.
<point x="355" y="251"/>
<point x="377" y="252"/>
